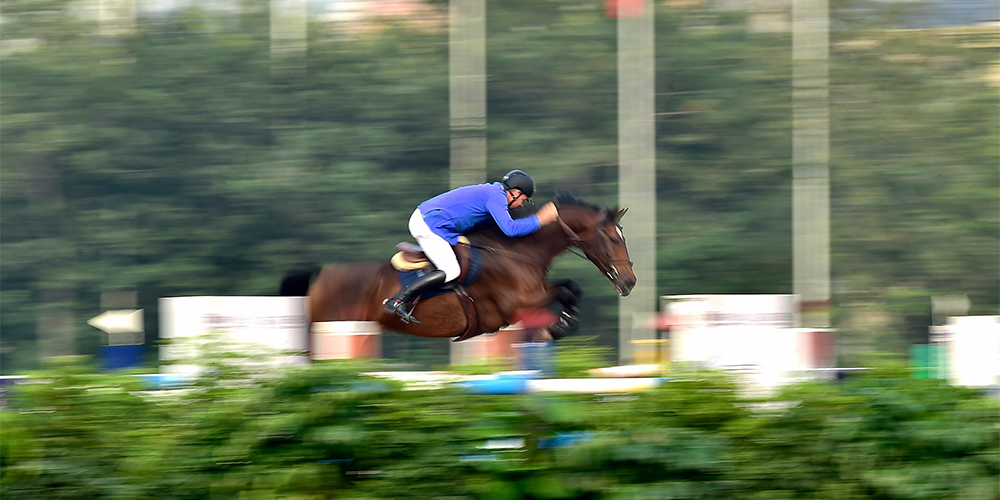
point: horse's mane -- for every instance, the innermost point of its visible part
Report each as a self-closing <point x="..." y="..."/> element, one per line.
<point x="564" y="199"/>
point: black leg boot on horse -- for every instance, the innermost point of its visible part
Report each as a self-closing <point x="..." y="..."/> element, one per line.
<point x="397" y="304"/>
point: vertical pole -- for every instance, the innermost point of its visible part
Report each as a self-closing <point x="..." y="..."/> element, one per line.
<point x="467" y="105"/>
<point x="56" y="327"/>
<point x="117" y="17"/>
<point x="467" y="90"/>
<point x="637" y="170"/>
<point x="288" y="36"/>
<point x="810" y="160"/>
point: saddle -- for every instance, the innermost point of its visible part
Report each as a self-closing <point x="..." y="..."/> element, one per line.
<point x="409" y="257"/>
<point x="410" y="260"/>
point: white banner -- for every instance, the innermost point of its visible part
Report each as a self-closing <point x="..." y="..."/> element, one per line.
<point x="751" y="334"/>
<point x="265" y="327"/>
<point x="974" y="351"/>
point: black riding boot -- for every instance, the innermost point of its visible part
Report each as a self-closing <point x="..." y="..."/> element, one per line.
<point x="397" y="304"/>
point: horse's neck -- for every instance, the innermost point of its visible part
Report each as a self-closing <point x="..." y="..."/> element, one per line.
<point x="541" y="247"/>
<point x="544" y="245"/>
<point x="553" y="239"/>
<point x="550" y="241"/>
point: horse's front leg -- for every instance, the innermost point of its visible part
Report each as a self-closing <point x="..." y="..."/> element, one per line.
<point x="568" y="294"/>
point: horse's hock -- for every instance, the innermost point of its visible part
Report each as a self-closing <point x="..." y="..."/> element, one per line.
<point x="346" y="339"/>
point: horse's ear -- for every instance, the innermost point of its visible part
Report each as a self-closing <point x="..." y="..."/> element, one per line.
<point x="620" y="213"/>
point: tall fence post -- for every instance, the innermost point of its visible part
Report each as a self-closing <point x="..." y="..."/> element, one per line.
<point x="637" y="167"/>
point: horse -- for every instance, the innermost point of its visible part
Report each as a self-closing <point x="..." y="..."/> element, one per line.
<point x="510" y="279"/>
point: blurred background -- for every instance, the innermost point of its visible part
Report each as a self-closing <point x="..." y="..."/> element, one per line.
<point x="833" y="161"/>
<point x="157" y="148"/>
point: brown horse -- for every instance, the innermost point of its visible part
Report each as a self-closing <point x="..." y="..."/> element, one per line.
<point x="511" y="279"/>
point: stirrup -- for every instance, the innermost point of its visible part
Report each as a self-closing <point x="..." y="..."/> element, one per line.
<point x="398" y="308"/>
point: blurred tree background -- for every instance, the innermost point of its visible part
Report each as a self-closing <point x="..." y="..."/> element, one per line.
<point x="173" y="159"/>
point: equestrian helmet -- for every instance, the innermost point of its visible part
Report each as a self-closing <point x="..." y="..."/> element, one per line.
<point x="516" y="179"/>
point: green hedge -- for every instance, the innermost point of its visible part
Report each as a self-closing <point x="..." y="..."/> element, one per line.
<point x="326" y="431"/>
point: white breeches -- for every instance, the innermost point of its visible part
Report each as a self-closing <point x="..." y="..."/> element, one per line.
<point x="435" y="247"/>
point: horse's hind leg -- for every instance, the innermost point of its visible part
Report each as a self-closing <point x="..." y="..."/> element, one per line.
<point x="568" y="293"/>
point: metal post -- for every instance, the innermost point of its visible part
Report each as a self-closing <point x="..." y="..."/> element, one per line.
<point x="467" y="105"/>
<point x="810" y="160"/>
<point x="288" y="35"/>
<point x="56" y="327"/>
<point x="637" y="170"/>
<point x="117" y="17"/>
<point x="467" y="90"/>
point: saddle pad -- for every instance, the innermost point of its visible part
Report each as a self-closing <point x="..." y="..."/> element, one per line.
<point x="407" y="276"/>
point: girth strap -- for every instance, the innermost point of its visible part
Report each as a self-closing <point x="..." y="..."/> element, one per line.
<point x="470" y="314"/>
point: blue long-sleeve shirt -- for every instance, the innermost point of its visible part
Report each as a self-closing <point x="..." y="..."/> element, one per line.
<point x="455" y="212"/>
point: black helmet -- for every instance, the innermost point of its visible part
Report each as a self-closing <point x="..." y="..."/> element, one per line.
<point x="516" y="179"/>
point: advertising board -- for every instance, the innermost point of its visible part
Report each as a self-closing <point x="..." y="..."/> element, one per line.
<point x="752" y="334"/>
<point x="271" y="329"/>
<point x="973" y="347"/>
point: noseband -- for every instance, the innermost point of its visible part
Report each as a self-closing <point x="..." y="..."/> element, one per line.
<point x="607" y="264"/>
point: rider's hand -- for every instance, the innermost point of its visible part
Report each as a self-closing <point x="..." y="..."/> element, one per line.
<point x="548" y="213"/>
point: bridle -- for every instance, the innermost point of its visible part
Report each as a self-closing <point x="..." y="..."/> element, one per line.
<point x="605" y="265"/>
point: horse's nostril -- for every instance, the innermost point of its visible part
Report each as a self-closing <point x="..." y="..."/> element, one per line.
<point x="629" y="284"/>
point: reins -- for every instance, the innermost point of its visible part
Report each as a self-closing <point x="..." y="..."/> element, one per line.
<point x="573" y="237"/>
<point x="608" y="268"/>
<point x="504" y="251"/>
<point x="575" y="241"/>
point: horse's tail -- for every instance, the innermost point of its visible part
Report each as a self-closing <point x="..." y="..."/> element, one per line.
<point x="296" y="282"/>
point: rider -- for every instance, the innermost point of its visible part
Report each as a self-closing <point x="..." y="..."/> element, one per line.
<point x="438" y="222"/>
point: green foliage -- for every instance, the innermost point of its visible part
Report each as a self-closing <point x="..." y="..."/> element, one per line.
<point x="576" y="355"/>
<point x="328" y="431"/>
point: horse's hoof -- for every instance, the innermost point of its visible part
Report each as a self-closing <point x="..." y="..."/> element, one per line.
<point x="567" y="323"/>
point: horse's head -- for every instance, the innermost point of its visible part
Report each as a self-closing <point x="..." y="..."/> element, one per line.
<point x="598" y="233"/>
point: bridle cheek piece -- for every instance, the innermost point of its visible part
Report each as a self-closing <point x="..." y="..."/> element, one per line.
<point x="609" y="269"/>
